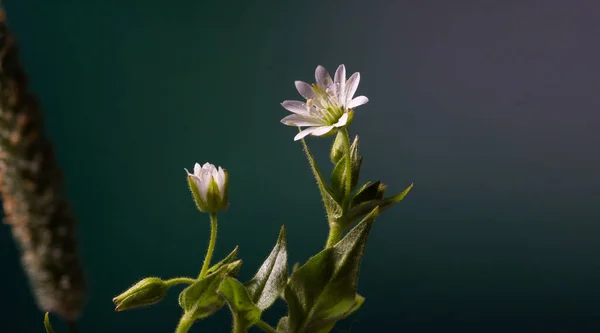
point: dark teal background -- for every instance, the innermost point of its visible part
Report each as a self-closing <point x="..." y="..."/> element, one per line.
<point x="492" y="109"/>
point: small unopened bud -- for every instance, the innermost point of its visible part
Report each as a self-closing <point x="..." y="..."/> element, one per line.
<point x="144" y="293"/>
<point x="209" y="187"/>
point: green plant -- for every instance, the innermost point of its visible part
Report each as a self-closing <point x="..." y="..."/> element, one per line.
<point x="323" y="290"/>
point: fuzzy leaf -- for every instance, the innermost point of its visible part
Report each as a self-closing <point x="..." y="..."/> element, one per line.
<point x="323" y="290"/>
<point x="229" y="259"/>
<point x="361" y="209"/>
<point x="356" y="160"/>
<point x="244" y="312"/>
<point x="201" y="298"/>
<point x="271" y="278"/>
<point x="332" y="207"/>
<point x="369" y="191"/>
<point x="338" y="180"/>
<point x="47" y="325"/>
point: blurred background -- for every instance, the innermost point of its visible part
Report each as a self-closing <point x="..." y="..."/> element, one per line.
<point x="490" y="107"/>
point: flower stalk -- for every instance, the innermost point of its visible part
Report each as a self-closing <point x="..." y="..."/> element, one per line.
<point x="211" y="244"/>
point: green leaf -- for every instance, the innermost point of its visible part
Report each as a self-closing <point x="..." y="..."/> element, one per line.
<point x="356" y="160"/>
<point x="361" y="209"/>
<point x="338" y="180"/>
<point x="323" y="290"/>
<point x="332" y="207"/>
<point x="47" y="325"/>
<point x="271" y="278"/>
<point x="358" y="302"/>
<point x="229" y="259"/>
<point x="369" y="191"/>
<point x="245" y="313"/>
<point x="201" y="298"/>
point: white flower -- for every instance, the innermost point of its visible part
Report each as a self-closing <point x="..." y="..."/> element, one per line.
<point x="328" y="103"/>
<point x="209" y="187"/>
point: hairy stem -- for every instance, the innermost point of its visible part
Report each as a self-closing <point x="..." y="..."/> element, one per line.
<point x="211" y="244"/>
<point x="335" y="234"/>
<point x="179" y="280"/>
<point x="185" y="323"/>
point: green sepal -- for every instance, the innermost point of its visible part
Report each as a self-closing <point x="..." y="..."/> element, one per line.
<point x="200" y="204"/>
<point x="332" y="207"/>
<point x="323" y="290"/>
<point x="337" y="149"/>
<point x="213" y="196"/>
<point x="47" y="325"/>
<point x="369" y="191"/>
<point x="245" y="313"/>
<point x="201" y="299"/>
<point x="270" y="279"/>
<point x="229" y="259"/>
<point x="360" y="210"/>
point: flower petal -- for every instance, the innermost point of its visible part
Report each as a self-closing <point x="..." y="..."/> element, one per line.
<point x="358" y="101"/>
<point x="301" y="120"/>
<point x="221" y="181"/>
<point x="295" y="107"/>
<point x="208" y="167"/>
<point x="340" y="83"/>
<point x="197" y="168"/>
<point x="304" y="133"/>
<point x="321" y="130"/>
<point x="323" y="78"/>
<point x="342" y="121"/>
<point x="304" y="89"/>
<point x="351" y="86"/>
<point x="203" y="181"/>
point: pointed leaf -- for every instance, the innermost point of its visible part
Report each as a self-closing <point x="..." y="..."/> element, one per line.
<point x="47" y="325"/>
<point x="271" y="278"/>
<point x="332" y="207"/>
<point x="229" y="259"/>
<point x="361" y="209"/>
<point x="245" y="313"/>
<point x="338" y="180"/>
<point x="356" y="160"/>
<point x="201" y="298"/>
<point x="369" y="191"/>
<point x="359" y="300"/>
<point x="323" y="290"/>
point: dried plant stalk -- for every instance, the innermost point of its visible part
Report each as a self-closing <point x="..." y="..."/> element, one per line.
<point x="33" y="195"/>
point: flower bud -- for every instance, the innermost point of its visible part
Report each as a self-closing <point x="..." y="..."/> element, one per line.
<point x="144" y="293"/>
<point x="209" y="187"/>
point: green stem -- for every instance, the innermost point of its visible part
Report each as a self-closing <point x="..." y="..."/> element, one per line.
<point x="335" y="234"/>
<point x="265" y="327"/>
<point x="348" y="171"/>
<point x="179" y="280"/>
<point x="211" y="244"/>
<point x="237" y="327"/>
<point x="185" y="323"/>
